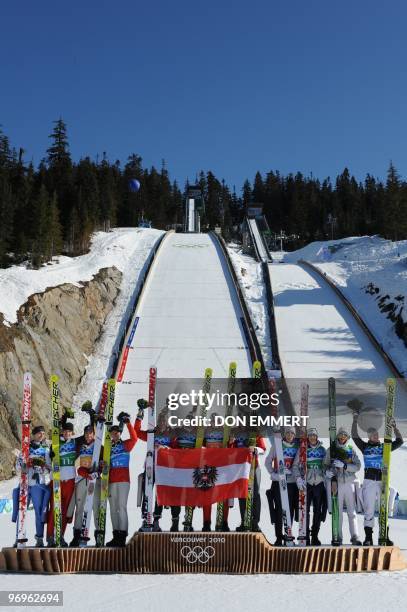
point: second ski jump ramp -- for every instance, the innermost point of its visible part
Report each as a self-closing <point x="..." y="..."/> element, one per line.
<point x="317" y="335"/>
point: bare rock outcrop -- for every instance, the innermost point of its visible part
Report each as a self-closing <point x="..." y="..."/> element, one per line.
<point x="56" y="333"/>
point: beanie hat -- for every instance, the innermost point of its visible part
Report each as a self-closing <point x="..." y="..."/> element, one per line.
<point x="37" y="429"/>
<point x="67" y="427"/>
<point x="312" y="431"/>
<point x="342" y="431"/>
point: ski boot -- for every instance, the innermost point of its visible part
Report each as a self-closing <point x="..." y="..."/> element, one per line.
<point x="39" y="542"/>
<point x="279" y="541"/>
<point x="156" y="524"/>
<point x="387" y="541"/>
<point x="241" y="527"/>
<point x="51" y="542"/>
<point x="64" y="543"/>
<point x="187" y="526"/>
<point x="314" y="538"/>
<point x="206" y="526"/>
<point x="175" y="525"/>
<point x="256" y="527"/>
<point x="225" y="526"/>
<point x="76" y="538"/>
<point x="368" y="541"/>
<point x="355" y="541"/>
<point x="145" y="526"/>
<point x="122" y="536"/>
<point x="115" y="541"/>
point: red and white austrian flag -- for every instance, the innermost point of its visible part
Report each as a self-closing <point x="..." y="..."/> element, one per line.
<point x="200" y="476"/>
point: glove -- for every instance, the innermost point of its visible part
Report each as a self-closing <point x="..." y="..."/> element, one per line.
<point x="92" y="476"/>
<point x="329" y="474"/>
<point x="124" y="417"/>
<point x="142" y="404"/>
<point x="392" y="423"/>
<point x="301" y="484"/>
<point x="339" y="464"/>
<point x="69" y="412"/>
<point x="37" y="461"/>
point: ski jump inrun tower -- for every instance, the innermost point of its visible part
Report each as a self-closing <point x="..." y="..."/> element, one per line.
<point x="194" y="209"/>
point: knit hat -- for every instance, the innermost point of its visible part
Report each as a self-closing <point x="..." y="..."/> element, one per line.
<point x="289" y="429"/>
<point x="88" y="428"/>
<point x="312" y="431"/>
<point x="37" y="429"/>
<point x="114" y="428"/>
<point x="342" y="432"/>
<point x="67" y="427"/>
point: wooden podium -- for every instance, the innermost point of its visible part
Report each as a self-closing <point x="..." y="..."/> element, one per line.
<point x="196" y="552"/>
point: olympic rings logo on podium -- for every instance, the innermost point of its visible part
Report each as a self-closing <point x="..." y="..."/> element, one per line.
<point x="197" y="554"/>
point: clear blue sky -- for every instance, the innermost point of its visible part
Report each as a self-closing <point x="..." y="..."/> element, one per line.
<point x="228" y="85"/>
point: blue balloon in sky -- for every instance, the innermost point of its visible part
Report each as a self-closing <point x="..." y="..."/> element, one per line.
<point x="134" y="185"/>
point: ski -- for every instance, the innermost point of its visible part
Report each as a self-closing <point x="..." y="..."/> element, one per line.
<point x="88" y="507"/>
<point x="283" y="487"/>
<point x="332" y="450"/>
<point x="387" y="443"/>
<point x="107" y="447"/>
<point x="200" y="433"/>
<point x="25" y="451"/>
<point x="56" y="465"/>
<point x="226" y="432"/>
<point x="248" y="515"/>
<point x="302" y="494"/>
<point x="150" y="459"/>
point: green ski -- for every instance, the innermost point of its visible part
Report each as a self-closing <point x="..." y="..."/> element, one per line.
<point x="336" y="541"/>
<point x="248" y="515"/>
<point x="387" y="444"/>
<point x="107" y="447"/>
<point x="200" y="433"/>
<point x="226" y="432"/>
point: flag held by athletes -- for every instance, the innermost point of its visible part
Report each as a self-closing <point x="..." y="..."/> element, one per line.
<point x="200" y="476"/>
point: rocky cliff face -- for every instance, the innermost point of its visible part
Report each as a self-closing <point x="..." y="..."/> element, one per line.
<point x="56" y="333"/>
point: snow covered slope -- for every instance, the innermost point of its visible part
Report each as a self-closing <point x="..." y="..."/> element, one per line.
<point x="372" y="274"/>
<point x="121" y="247"/>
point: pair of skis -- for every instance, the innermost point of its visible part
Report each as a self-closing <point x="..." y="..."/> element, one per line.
<point x="283" y="486"/>
<point x="248" y="515"/>
<point x="220" y="509"/>
<point x="148" y="522"/>
<point x="105" y="417"/>
<point x="387" y="445"/>
<point x="200" y="434"/>
<point x="88" y="507"/>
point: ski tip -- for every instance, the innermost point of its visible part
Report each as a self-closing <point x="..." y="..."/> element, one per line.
<point x="54" y="378"/>
<point x="208" y="372"/>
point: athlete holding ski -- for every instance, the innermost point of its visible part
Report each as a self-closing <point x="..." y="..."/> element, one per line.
<point x="344" y="464"/>
<point x="119" y="479"/>
<point x="241" y="438"/>
<point x="162" y="438"/>
<point x="372" y="451"/>
<point x="315" y="487"/>
<point x="67" y="452"/>
<point x="86" y="471"/>
<point x="290" y="446"/>
<point x="38" y="469"/>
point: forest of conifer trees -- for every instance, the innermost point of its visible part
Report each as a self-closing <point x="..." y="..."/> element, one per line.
<point x="54" y="208"/>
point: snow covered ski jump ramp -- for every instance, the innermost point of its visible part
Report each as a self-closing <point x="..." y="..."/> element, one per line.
<point x="217" y="553"/>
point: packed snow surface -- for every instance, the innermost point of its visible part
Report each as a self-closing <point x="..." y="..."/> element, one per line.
<point x="354" y="263"/>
